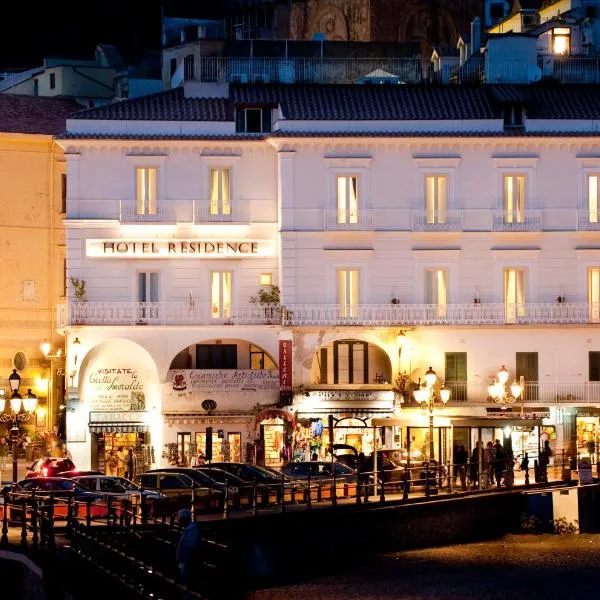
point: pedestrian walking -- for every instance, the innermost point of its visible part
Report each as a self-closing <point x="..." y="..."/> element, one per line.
<point x="129" y="463"/>
<point x="499" y="463"/>
<point x="120" y="461"/>
<point x="461" y="458"/>
<point x="3" y="453"/>
<point x="188" y="548"/>
<point x="545" y="455"/>
<point x="489" y="457"/>
<point x="111" y="464"/>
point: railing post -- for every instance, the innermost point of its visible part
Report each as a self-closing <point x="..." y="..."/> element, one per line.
<point x="450" y="477"/>
<point x="382" y="495"/>
<point x="88" y="513"/>
<point x="427" y="491"/>
<point x="282" y="493"/>
<point x="69" y="527"/>
<point x="144" y="508"/>
<point x="24" y="522"/>
<point x="51" y="541"/>
<point x="334" y="490"/>
<point x="309" y="497"/>
<point x="254" y="507"/>
<point x="34" y="521"/>
<point x="226" y="500"/>
<point x="406" y="485"/>
<point x="4" y="539"/>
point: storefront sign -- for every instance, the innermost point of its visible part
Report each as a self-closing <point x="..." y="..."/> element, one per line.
<point x="179" y="248"/>
<point x="285" y="365"/>
<point x="516" y="415"/>
<point x="350" y="395"/>
<point x="115" y="389"/>
<point x="226" y="380"/>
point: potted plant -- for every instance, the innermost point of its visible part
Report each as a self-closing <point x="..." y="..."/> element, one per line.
<point x="561" y="299"/>
<point x="270" y="299"/>
<point x="80" y="295"/>
<point x="394" y="301"/>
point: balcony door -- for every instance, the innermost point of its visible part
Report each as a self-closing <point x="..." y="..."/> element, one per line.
<point x="527" y="367"/>
<point x="220" y="294"/>
<point x="347" y="199"/>
<point x="347" y="292"/>
<point x="146" y="198"/>
<point x="514" y="198"/>
<point x="593" y="197"/>
<point x="514" y="294"/>
<point x="456" y="375"/>
<point x="220" y="192"/>
<point x="350" y="362"/>
<point x="436" y="194"/>
<point x="147" y="295"/>
<point x="594" y="294"/>
<point x="436" y="292"/>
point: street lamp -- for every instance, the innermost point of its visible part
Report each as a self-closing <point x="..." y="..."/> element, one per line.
<point x="499" y="392"/>
<point x="20" y="411"/>
<point x="430" y="400"/>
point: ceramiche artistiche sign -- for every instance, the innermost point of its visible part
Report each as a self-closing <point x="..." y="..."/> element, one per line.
<point x="114" y="389"/>
<point x="226" y="380"/>
<point x="179" y="248"/>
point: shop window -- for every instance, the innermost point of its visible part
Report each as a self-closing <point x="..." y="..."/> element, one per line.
<point x="436" y="195"/>
<point x="216" y="356"/>
<point x="259" y="359"/>
<point x="514" y="294"/>
<point x="594" y="366"/>
<point x="347" y="199"/>
<point x="350" y="362"/>
<point x="146" y="197"/>
<point x="184" y="441"/>
<point x="456" y="375"/>
<point x="217" y="443"/>
<point x="220" y="191"/>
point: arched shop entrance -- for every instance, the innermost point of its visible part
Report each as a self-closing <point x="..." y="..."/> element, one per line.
<point x="275" y="437"/>
<point x="216" y="383"/>
<point x="118" y="406"/>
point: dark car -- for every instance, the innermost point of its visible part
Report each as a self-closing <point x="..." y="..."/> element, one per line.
<point x="50" y="466"/>
<point x="319" y="469"/>
<point x="213" y="479"/>
<point x="58" y="487"/>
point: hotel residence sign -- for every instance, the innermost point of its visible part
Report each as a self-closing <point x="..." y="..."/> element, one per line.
<point x="179" y="248"/>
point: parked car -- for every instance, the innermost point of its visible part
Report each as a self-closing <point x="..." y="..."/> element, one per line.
<point x="115" y="487"/>
<point x="320" y="469"/>
<point x="213" y="479"/>
<point x="77" y="473"/>
<point x="58" y="487"/>
<point x="50" y="466"/>
<point x="179" y="488"/>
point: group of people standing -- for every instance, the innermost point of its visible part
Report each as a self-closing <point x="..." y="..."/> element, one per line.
<point x="122" y="463"/>
<point x="495" y="461"/>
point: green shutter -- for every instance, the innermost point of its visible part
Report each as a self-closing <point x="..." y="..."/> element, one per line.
<point x="456" y="366"/>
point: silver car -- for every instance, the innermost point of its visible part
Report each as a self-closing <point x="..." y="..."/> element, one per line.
<point x="115" y="487"/>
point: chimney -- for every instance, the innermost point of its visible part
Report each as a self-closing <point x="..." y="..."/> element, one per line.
<point x="475" y="36"/>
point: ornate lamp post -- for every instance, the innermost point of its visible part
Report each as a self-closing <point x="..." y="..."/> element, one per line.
<point x="20" y="411"/>
<point x="499" y="392"/>
<point x="430" y="400"/>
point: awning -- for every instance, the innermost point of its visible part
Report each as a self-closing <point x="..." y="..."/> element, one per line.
<point x="119" y="428"/>
<point x="274" y="413"/>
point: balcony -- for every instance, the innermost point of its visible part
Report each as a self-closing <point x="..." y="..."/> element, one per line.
<point x="588" y="220"/>
<point x="540" y="393"/>
<point x="348" y="220"/>
<point x="517" y="220"/>
<point x="449" y="220"/>
<point x="163" y="313"/>
<point x="564" y="69"/>
<point x="237" y="214"/>
<point x="434" y="314"/>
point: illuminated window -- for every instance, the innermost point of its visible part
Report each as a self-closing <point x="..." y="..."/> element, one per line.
<point x="259" y="359"/>
<point x="350" y="362"/>
<point x="593" y="198"/>
<point x="220" y="294"/>
<point x="561" y="40"/>
<point x="220" y="192"/>
<point x="146" y="190"/>
<point x="436" y="194"/>
<point x="514" y="294"/>
<point x="348" y="292"/>
<point x="347" y="199"/>
<point x="436" y="290"/>
<point x="266" y="279"/>
<point x="514" y="198"/>
<point x="594" y="293"/>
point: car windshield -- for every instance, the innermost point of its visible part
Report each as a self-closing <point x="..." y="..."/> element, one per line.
<point x="262" y="472"/>
<point x="128" y="485"/>
<point x="221" y="476"/>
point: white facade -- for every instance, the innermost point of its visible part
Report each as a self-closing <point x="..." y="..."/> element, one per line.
<point x="479" y="245"/>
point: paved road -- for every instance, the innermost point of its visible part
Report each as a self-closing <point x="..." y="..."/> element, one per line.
<point x="524" y="567"/>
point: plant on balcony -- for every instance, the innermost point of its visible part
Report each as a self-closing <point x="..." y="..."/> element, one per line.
<point x="404" y="387"/>
<point x="476" y="300"/>
<point x="395" y="301"/>
<point x="270" y="298"/>
<point x="561" y="299"/>
<point x="79" y="288"/>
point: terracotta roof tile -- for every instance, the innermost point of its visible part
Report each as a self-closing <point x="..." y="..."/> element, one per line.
<point x="35" y="114"/>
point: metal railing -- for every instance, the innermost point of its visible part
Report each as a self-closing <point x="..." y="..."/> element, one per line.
<point x="438" y="314"/>
<point x="565" y="69"/>
<point x="588" y="220"/>
<point x="517" y="220"/>
<point x="348" y="220"/>
<point x="164" y="212"/>
<point x="236" y="214"/>
<point x="448" y="220"/>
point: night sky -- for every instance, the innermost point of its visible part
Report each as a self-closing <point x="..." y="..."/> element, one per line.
<point x="71" y="28"/>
